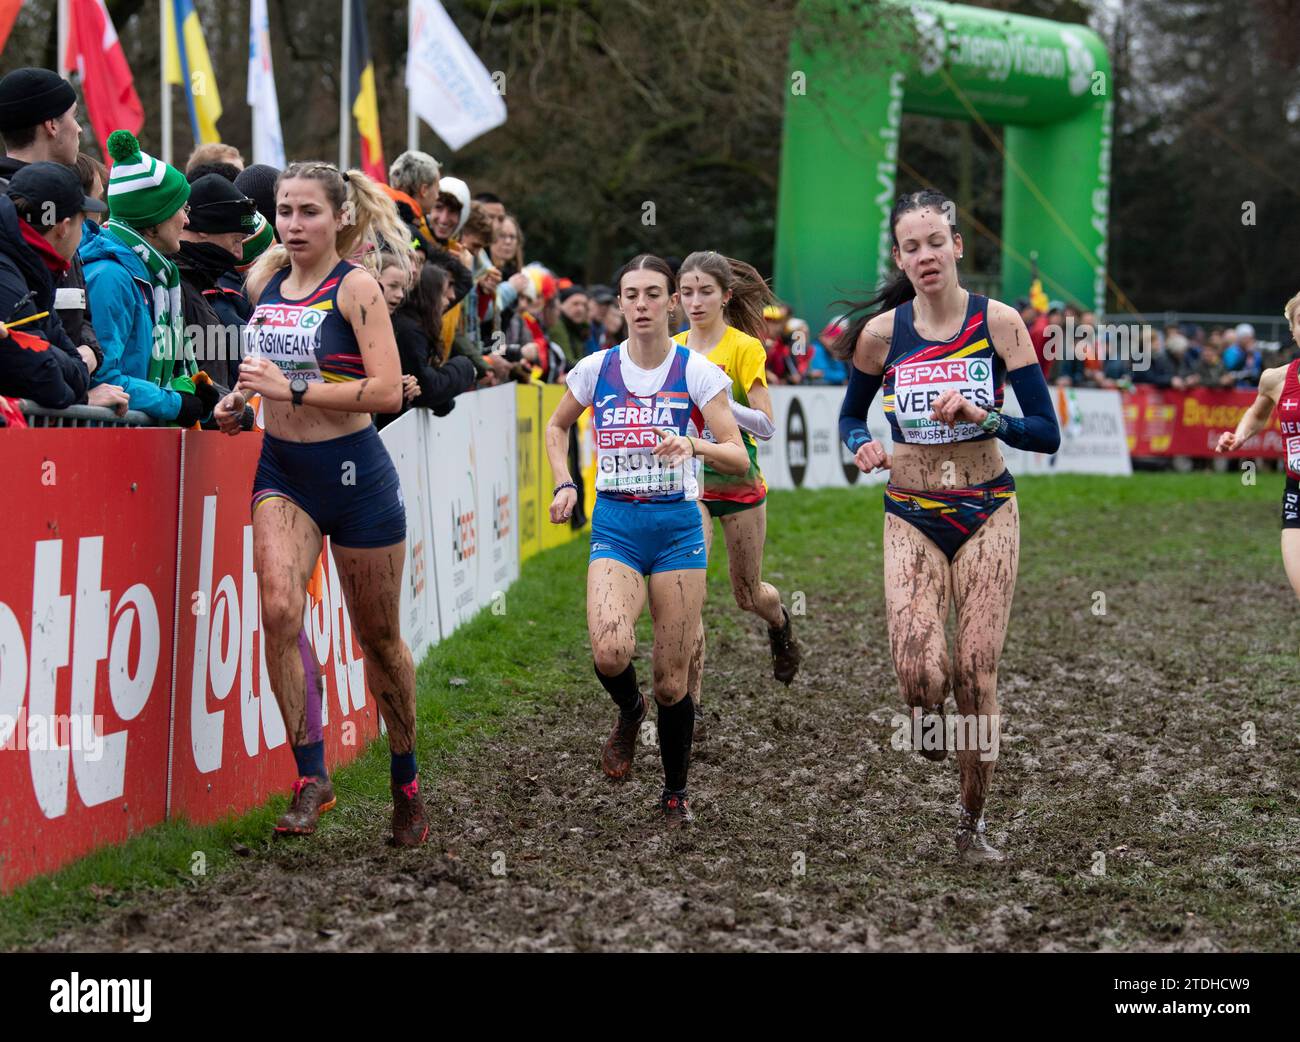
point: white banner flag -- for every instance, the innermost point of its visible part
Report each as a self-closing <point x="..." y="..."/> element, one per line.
<point x="268" y="141"/>
<point x="446" y="84"/>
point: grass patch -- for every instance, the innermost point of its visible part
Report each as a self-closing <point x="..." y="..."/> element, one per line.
<point x="493" y="666"/>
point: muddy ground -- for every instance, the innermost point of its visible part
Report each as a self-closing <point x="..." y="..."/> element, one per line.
<point x="1135" y="814"/>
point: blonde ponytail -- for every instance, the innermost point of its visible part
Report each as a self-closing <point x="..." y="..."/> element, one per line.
<point x="375" y="226"/>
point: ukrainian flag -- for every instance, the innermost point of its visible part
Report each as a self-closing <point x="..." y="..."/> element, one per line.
<point x="365" y="104"/>
<point x="187" y="65"/>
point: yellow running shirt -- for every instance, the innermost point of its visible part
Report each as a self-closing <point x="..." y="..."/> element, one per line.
<point x="743" y="359"/>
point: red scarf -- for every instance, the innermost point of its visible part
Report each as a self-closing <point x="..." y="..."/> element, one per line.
<point x="43" y="249"/>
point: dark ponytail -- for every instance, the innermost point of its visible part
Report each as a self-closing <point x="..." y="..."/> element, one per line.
<point x="898" y="288"/>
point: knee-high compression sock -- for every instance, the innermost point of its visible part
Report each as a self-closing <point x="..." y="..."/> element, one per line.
<point x="402" y="768"/>
<point x="310" y="759"/>
<point x="676" y="728"/>
<point x="623" y="690"/>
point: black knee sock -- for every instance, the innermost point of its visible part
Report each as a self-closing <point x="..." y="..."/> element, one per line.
<point x="623" y="690"/>
<point x="676" y="728"/>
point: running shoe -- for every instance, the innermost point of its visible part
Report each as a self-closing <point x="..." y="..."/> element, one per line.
<point x="410" y="825"/>
<point x="312" y="797"/>
<point x="785" y="651"/>
<point x="676" y="807"/>
<point x="620" y="747"/>
<point x="971" y="842"/>
<point x="932" y="719"/>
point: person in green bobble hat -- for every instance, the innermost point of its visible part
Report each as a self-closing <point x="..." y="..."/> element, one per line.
<point x="129" y="277"/>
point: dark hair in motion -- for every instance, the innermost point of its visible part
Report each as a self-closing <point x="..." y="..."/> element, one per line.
<point x="898" y="288"/>
<point x="646" y="262"/>
<point x="424" y="302"/>
<point x="749" y="290"/>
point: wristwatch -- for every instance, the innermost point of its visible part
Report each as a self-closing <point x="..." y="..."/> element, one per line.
<point x="991" y="422"/>
<point x="297" y="388"/>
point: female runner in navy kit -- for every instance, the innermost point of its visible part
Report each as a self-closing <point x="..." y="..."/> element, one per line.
<point x="952" y="528"/>
<point x="651" y="399"/>
<point x="320" y="351"/>
<point x="1279" y="388"/>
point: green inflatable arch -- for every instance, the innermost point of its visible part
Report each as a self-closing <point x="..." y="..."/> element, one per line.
<point x="1047" y="82"/>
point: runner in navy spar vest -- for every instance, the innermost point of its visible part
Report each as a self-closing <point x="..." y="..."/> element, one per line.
<point x="651" y="400"/>
<point x="1279" y="387"/>
<point x="952" y="528"/>
<point x="320" y="351"/>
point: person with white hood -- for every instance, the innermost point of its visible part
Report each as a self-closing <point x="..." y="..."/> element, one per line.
<point x="450" y="211"/>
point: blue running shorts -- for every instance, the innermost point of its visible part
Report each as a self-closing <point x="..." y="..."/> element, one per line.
<point x="648" y="537"/>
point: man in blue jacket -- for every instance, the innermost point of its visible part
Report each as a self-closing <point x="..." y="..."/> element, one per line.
<point x="135" y="289"/>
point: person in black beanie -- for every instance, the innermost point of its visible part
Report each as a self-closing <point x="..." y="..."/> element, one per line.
<point x="38" y="121"/>
<point x="221" y="217"/>
<point x="258" y="183"/>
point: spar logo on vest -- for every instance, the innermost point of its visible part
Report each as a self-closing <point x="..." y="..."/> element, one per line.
<point x="918" y="385"/>
<point x="288" y="334"/>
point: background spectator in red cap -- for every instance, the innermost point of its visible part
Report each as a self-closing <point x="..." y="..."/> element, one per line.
<point x="823" y="367"/>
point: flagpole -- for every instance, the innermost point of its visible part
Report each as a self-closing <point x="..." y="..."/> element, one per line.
<point x="345" y="87"/>
<point x="61" y="60"/>
<point x="412" y="120"/>
<point x="166" y="156"/>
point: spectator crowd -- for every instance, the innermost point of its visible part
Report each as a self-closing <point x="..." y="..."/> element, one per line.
<point x="124" y="288"/>
<point x="1075" y="351"/>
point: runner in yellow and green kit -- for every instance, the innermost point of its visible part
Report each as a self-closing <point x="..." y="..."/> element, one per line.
<point x="724" y="298"/>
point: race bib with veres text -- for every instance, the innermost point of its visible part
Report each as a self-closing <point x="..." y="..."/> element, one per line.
<point x="918" y="385"/>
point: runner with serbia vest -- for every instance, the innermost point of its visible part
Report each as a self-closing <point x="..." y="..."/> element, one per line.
<point x="651" y="399"/>
<point x="320" y="351"/>
<point x="1280" y="388"/>
<point x="952" y="528"/>
<point x="724" y="301"/>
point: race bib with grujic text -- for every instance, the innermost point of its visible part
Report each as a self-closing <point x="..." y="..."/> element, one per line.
<point x="626" y="437"/>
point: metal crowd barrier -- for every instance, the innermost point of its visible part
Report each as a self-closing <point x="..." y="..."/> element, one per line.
<point x="80" y="416"/>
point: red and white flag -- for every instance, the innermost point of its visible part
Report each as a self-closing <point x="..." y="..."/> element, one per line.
<point x="96" y="54"/>
<point x="8" y="12"/>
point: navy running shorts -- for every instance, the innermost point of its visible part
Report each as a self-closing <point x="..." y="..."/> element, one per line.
<point x="347" y="485"/>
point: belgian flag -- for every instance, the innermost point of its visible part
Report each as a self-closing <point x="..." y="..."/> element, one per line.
<point x="365" y="105"/>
